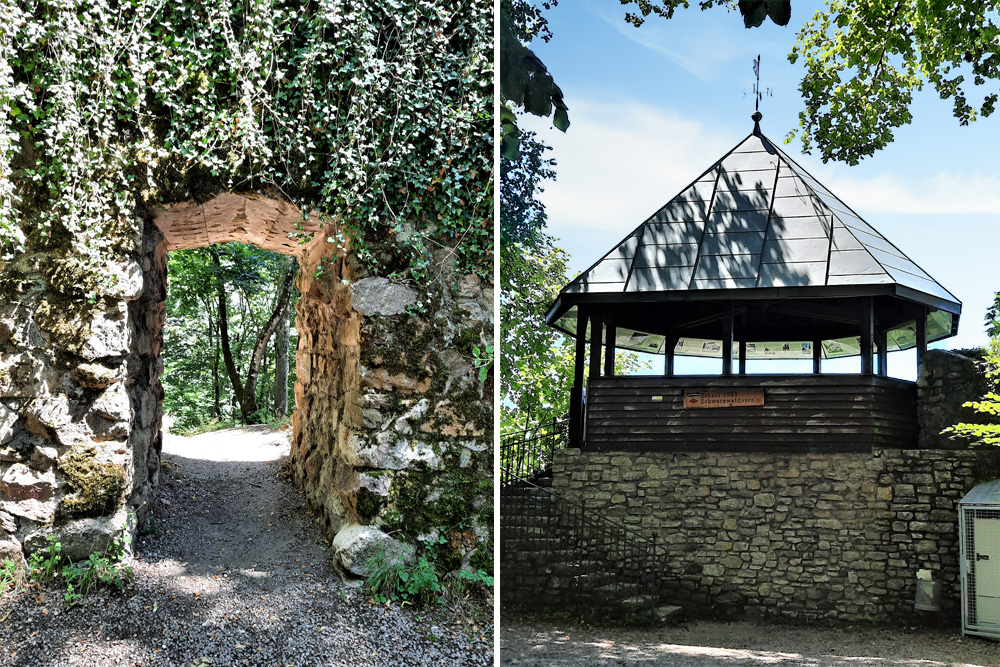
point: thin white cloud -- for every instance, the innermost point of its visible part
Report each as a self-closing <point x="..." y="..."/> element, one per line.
<point x="687" y="33"/>
<point x="654" y="40"/>
<point x="941" y="194"/>
<point x="619" y="163"/>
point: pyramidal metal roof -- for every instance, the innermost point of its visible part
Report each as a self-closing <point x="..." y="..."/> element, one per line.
<point x="755" y="225"/>
<point x="755" y="219"/>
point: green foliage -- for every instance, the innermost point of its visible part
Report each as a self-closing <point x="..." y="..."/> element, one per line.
<point x="374" y="114"/>
<point x="753" y="11"/>
<point x="104" y="570"/>
<point x="193" y="364"/>
<point x="522" y="215"/>
<point x="993" y="317"/>
<point x="483" y="361"/>
<point x="474" y="580"/>
<point x="397" y="581"/>
<point x="421" y="582"/>
<point x="200" y="427"/>
<point x="989" y="404"/>
<point x="11" y="575"/>
<point x="864" y="61"/>
<point x="536" y="361"/>
<point x="985" y="434"/>
<point x="524" y="80"/>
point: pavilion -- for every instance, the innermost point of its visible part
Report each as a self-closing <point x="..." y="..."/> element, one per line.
<point x="754" y="260"/>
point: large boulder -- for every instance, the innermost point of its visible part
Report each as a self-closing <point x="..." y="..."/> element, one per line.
<point x="357" y="548"/>
<point x="86" y="536"/>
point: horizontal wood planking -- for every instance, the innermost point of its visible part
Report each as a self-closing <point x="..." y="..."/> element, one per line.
<point x="816" y="413"/>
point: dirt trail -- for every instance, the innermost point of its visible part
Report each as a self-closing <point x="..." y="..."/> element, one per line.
<point x="222" y="505"/>
<point x="547" y="643"/>
<point x="233" y="571"/>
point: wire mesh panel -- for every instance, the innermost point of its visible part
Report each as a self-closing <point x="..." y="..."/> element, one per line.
<point x="980" y="553"/>
<point x="969" y="585"/>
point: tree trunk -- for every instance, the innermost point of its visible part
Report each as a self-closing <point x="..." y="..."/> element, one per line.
<point x="246" y="392"/>
<point x="215" y="381"/>
<point x="281" y="365"/>
<point x="213" y="344"/>
<point x="247" y="408"/>
<point x="264" y="337"/>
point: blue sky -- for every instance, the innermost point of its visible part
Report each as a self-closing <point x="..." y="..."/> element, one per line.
<point x="652" y="107"/>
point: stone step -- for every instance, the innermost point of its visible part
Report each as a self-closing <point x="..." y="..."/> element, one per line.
<point x="668" y="614"/>
<point x="638" y="604"/>
<point x="619" y="590"/>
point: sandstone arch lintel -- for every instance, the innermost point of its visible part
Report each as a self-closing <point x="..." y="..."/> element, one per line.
<point x="265" y="222"/>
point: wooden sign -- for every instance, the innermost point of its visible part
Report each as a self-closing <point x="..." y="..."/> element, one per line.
<point x="715" y="398"/>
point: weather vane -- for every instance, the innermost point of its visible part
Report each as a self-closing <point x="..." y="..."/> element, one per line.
<point x="758" y="94"/>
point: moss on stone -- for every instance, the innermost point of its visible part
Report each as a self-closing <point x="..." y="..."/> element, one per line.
<point x="367" y="504"/>
<point x="412" y="511"/>
<point x="11" y="281"/>
<point x="467" y="339"/>
<point x="399" y="348"/>
<point x="470" y="406"/>
<point x="66" y="320"/>
<point x="96" y="489"/>
<point x="482" y="557"/>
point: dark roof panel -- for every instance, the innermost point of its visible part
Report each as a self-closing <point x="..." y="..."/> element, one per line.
<point x="755" y="221"/>
<point x="755" y="200"/>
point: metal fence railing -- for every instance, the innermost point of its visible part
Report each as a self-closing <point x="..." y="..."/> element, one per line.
<point x="594" y="566"/>
<point x="525" y="454"/>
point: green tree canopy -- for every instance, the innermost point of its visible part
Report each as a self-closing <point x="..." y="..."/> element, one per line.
<point x="376" y="114"/>
<point x="864" y="61"/>
<point x="221" y="351"/>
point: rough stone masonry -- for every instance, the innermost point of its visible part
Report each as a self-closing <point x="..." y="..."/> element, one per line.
<point x="392" y="439"/>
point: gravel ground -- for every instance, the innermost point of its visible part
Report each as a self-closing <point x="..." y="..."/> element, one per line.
<point x="705" y="644"/>
<point x="234" y="571"/>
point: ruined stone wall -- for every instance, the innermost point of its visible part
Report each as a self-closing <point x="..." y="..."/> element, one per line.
<point x="392" y="437"/>
<point x="799" y="536"/>
<point x="79" y="392"/>
<point x="393" y="429"/>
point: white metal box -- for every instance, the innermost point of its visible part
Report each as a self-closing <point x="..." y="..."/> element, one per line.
<point x="979" y="555"/>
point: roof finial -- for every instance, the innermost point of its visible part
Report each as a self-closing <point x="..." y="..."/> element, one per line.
<point x="757" y="96"/>
<point x="756" y="86"/>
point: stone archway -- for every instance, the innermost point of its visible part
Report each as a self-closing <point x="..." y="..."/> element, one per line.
<point x="393" y="431"/>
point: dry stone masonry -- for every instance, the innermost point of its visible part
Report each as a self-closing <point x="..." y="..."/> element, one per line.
<point x="798" y="536"/>
<point x="392" y="438"/>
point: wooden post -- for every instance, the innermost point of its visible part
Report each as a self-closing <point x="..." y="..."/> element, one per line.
<point x="817" y="355"/>
<point x="668" y="357"/>
<point x="743" y="357"/>
<point x="727" y="339"/>
<point x="576" y="393"/>
<point x="609" y="350"/>
<point x="596" y="334"/>
<point x="867" y="334"/>
<point x="882" y="341"/>
<point x="921" y="335"/>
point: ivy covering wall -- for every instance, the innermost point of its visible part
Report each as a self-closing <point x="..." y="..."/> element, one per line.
<point x="378" y="114"/>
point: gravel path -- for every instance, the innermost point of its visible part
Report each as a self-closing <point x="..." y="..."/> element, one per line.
<point x="704" y="644"/>
<point x="235" y="571"/>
